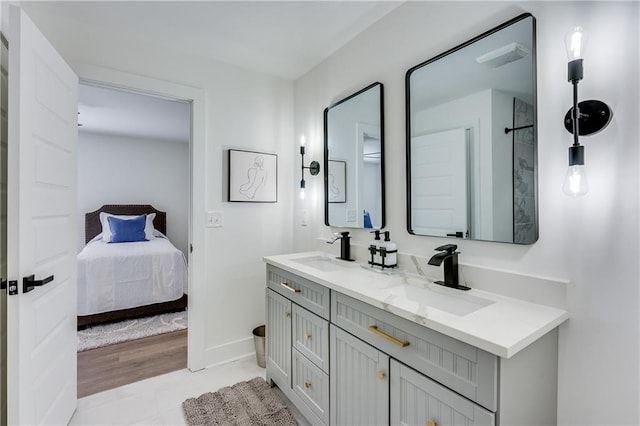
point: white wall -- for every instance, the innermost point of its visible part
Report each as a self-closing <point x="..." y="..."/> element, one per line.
<point x="244" y="110"/>
<point x="120" y="170"/>
<point x="591" y="241"/>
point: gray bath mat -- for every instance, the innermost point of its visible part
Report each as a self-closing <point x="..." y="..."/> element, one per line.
<point x="249" y="403"/>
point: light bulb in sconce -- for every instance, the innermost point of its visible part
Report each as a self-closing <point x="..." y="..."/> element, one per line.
<point x="575" y="182"/>
<point x="303" y="184"/>
<point x="575" y="41"/>
<point x="303" y="139"/>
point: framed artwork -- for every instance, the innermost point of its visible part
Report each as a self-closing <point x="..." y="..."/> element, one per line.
<point x="337" y="189"/>
<point x="253" y="176"/>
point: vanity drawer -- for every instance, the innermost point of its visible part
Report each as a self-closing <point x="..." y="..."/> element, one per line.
<point x="467" y="370"/>
<point x="312" y="385"/>
<point x="314" y="297"/>
<point x="311" y="337"/>
<point x="418" y="400"/>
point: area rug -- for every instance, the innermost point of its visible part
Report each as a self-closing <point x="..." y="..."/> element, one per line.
<point x="122" y="331"/>
<point x="251" y="403"/>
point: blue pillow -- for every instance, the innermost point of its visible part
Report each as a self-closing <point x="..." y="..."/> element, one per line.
<point x="127" y="230"/>
<point x="367" y="220"/>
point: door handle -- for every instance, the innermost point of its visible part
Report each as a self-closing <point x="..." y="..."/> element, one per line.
<point x="457" y="234"/>
<point x="29" y="283"/>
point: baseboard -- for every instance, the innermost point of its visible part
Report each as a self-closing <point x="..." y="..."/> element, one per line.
<point x="228" y="352"/>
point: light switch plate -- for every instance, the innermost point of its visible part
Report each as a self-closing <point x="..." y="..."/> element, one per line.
<point x="214" y="219"/>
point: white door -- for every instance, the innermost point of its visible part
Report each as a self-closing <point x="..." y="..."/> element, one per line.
<point x="41" y="358"/>
<point x="439" y="194"/>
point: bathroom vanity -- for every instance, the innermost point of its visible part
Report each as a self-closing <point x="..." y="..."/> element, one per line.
<point x="352" y="346"/>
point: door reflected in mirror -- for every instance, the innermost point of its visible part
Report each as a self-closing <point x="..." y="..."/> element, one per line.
<point x="354" y="160"/>
<point x="471" y="139"/>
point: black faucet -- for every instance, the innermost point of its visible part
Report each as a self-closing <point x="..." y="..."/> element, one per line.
<point x="449" y="256"/>
<point x="345" y="245"/>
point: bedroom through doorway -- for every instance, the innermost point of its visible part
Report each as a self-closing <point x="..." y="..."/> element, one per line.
<point x="133" y="219"/>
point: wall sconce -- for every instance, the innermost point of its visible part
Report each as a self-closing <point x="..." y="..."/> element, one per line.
<point x="314" y="167"/>
<point x="585" y="118"/>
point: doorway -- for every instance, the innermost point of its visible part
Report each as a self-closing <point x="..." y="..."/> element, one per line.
<point x="197" y="206"/>
<point x="133" y="149"/>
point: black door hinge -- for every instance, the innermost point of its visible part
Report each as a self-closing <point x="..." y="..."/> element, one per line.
<point x="190" y="248"/>
<point x="3" y="284"/>
<point x="13" y="288"/>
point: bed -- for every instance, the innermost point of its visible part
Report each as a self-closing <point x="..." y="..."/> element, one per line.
<point x="118" y="281"/>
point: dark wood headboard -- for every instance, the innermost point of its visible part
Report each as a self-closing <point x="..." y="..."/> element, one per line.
<point x="93" y="227"/>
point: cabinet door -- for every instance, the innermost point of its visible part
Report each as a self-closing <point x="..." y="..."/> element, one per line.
<point x="418" y="400"/>
<point x="311" y="336"/>
<point x="278" y="339"/>
<point x="359" y="381"/>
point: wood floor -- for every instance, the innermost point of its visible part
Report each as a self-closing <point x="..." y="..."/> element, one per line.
<point x="123" y="363"/>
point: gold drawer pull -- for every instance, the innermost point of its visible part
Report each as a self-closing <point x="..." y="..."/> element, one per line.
<point x="287" y="314"/>
<point x="431" y="423"/>
<point x="307" y="336"/>
<point x="381" y="375"/>
<point x="401" y="343"/>
<point x="307" y="384"/>
<point x="294" y="290"/>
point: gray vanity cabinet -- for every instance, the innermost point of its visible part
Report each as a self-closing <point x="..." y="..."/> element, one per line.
<point x="297" y="342"/>
<point x="359" y="381"/>
<point x="342" y="361"/>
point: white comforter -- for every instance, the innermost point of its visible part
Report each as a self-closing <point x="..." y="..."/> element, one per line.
<point x="125" y="275"/>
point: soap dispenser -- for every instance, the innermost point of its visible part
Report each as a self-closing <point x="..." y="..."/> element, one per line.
<point x="374" y="248"/>
<point x="390" y="259"/>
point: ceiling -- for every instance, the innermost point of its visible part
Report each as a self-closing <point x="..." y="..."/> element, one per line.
<point x="125" y="114"/>
<point x="281" y="38"/>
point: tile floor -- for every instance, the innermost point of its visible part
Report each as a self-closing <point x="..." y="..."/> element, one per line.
<point x="158" y="401"/>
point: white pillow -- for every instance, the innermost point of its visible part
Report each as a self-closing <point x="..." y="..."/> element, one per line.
<point x="106" y="230"/>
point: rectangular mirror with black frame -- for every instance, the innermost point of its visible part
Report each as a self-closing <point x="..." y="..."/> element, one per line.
<point x="354" y="160"/>
<point x="472" y="138"/>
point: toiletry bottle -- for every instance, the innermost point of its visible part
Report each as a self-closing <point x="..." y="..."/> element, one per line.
<point x="391" y="259"/>
<point x="376" y="243"/>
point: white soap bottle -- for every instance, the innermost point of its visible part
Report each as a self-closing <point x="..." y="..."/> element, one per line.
<point x="391" y="258"/>
<point x="377" y="259"/>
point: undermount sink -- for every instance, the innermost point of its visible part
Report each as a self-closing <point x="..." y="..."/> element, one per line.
<point x="321" y="263"/>
<point x="432" y="297"/>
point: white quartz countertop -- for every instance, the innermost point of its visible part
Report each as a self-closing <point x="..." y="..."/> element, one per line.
<point x="497" y="324"/>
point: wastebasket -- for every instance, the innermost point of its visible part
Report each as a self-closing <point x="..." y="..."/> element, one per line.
<point x="258" y="341"/>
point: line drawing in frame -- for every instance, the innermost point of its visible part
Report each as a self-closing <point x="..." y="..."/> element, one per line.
<point x="253" y="176"/>
<point x="337" y="188"/>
